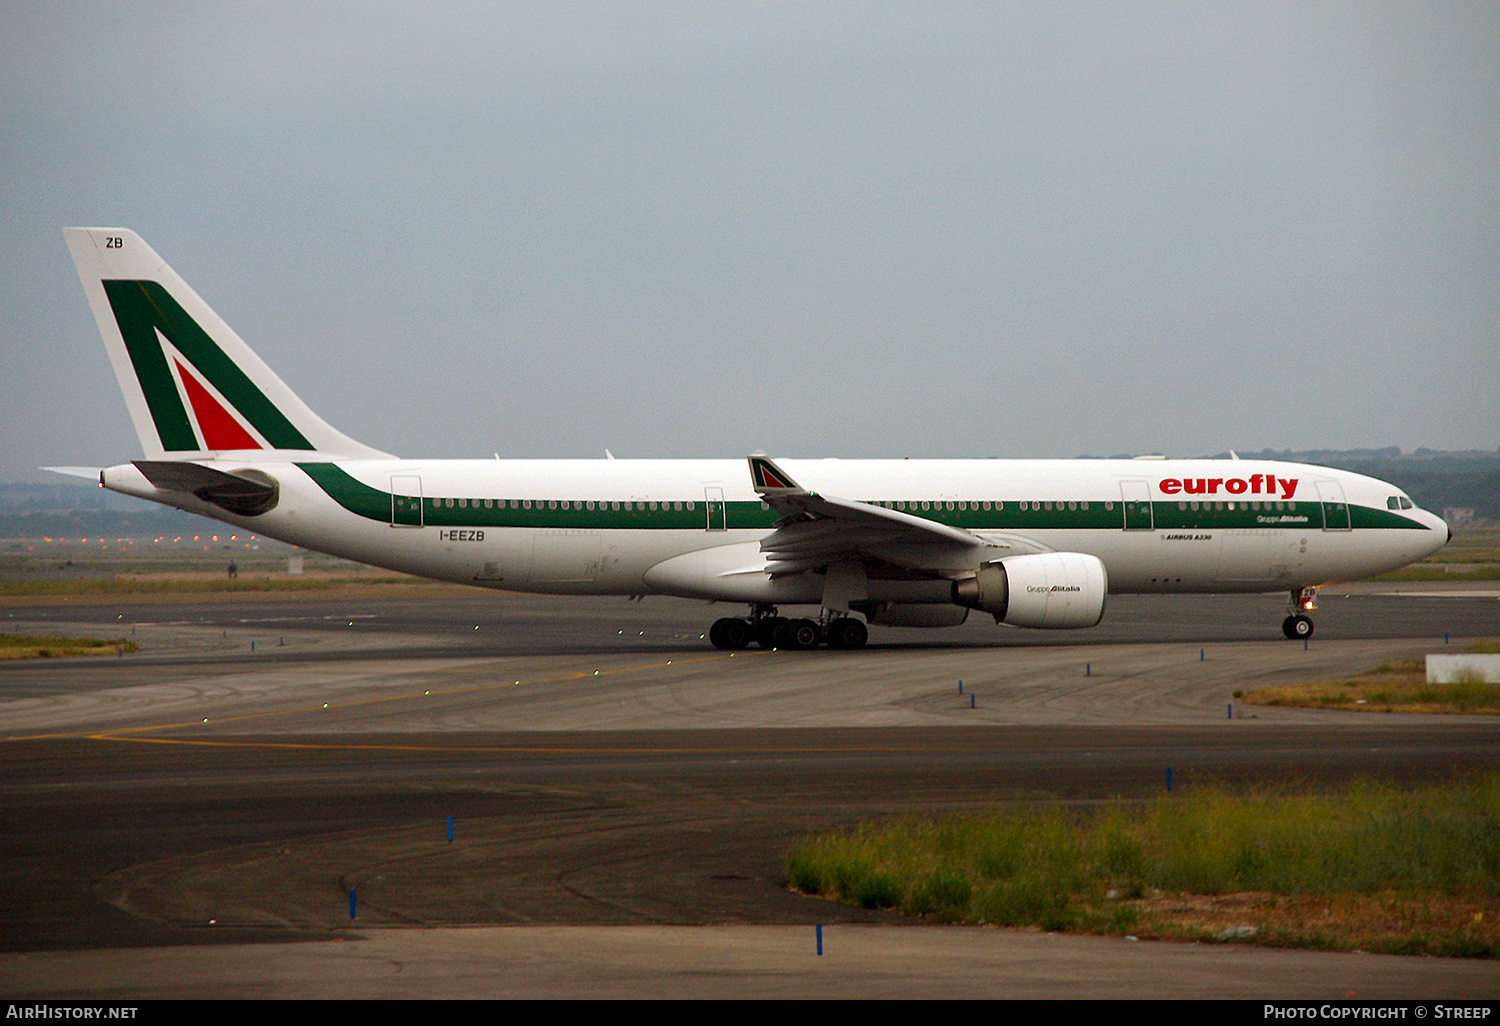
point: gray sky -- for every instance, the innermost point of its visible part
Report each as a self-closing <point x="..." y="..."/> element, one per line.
<point x="862" y="229"/>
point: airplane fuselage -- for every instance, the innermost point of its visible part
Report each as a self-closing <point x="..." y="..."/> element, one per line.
<point x="694" y="527"/>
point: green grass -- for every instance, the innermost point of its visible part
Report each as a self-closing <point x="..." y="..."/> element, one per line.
<point x="1406" y="870"/>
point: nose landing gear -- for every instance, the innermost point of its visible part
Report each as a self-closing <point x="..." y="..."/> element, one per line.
<point x="1298" y="624"/>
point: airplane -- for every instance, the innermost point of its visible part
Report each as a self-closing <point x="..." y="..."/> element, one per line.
<point x="913" y="543"/>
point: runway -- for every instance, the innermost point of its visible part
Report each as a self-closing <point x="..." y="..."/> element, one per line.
<point x="605" y="768"/>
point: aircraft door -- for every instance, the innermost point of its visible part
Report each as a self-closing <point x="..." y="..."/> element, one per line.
<point x="1335" y="509"/>
<point x="406" y="500"/>
<point x="713" y="501"/>
<point x="1135" y="496"/>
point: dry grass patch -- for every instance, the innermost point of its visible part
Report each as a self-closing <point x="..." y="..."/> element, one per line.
<point x="1389" y="923"/>
<point x="20" y="646"/>
<point x="1390" y="687"/>
<point x="179" y="588"/>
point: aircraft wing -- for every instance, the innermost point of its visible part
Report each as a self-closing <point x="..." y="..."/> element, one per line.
<point x="819" y="530"/>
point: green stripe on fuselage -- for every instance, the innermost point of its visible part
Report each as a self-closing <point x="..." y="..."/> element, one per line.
<point x="374" y="504"/>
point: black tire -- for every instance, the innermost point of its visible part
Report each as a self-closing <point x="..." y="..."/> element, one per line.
<point x="803" y="634"/>
<point x="765" y="631"/>
<point x="847" y="632"/>
<point x="737" y="634"/>
<point x="1296" y="627"/>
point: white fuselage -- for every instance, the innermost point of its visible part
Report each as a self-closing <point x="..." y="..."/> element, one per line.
<point x="694" y="527"/>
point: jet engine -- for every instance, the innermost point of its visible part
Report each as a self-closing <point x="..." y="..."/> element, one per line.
<point x="1047" y="589"/>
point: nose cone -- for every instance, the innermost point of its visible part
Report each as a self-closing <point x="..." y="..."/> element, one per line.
<point x="1441" y="535"/>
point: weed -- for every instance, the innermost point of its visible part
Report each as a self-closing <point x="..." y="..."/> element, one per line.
<point x="1373" y="867"/>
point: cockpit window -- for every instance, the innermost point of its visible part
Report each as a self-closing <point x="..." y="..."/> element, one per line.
<point x="1398" y="502"/>
<point x="1405" y="502"/>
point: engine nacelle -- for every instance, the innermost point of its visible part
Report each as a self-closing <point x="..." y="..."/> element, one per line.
<point x="1048" y="589"/>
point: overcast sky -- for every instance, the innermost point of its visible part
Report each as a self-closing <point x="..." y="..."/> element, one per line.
<point x="830" y="229"/>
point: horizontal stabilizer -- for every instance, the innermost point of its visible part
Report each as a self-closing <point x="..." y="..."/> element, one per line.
<point x="249" y="493"/>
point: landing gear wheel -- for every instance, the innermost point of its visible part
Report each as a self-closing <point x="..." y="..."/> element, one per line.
<point x="1296" y="627"/>
<point x="847" y="632"/>
<point x="798" y="634"/>
<point x="729" y="633"/>
<point x="765" y="631"/>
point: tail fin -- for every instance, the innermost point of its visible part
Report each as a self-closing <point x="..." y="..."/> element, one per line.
<point x="194" y="388"/>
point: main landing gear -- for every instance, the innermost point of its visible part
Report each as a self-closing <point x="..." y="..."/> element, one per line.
<point x="1299" y="625"/>
<point x="768" y="630"/>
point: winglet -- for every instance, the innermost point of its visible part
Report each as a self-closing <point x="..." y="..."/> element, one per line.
<point x="90" y="473"/>
<point x="770" y="480"/>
